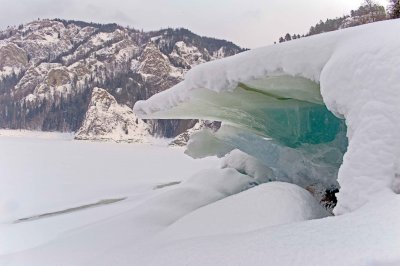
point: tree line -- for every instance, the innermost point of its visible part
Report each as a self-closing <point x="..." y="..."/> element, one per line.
<point x="368" y="12"/>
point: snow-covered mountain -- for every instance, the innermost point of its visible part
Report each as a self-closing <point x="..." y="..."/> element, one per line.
<point x="48" y="69"/>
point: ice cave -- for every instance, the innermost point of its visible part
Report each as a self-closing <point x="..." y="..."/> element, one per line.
<point x="312" y="111"/>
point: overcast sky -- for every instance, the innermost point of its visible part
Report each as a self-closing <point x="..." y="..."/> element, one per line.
<point x="248" y="23"/>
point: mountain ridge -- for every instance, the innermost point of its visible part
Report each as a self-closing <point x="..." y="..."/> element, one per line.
<point x="49" y="68"/>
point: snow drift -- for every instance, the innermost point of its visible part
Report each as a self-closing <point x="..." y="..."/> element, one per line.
<point x="296" y="101"/>
<point x="270" y="204"/>
<point x="353" y="239"/>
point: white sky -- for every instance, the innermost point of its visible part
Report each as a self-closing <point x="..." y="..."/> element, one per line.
<point x="248" y="23"/>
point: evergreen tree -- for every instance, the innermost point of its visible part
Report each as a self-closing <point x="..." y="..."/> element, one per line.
<point x="394" y="8"/>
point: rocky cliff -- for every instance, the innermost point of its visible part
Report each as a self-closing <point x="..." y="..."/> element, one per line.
<point x="105" y="119"/>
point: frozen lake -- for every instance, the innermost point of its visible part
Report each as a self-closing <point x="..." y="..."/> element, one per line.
<point x="42" y="173"/>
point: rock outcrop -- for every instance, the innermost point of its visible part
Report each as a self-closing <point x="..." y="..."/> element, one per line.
<point x="107" y="120"/>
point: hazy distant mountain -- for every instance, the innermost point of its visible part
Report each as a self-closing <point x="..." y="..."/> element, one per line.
<point x="48" y="69"/>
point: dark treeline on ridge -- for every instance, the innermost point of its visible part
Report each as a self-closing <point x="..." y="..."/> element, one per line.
<point x="368" y="12"/>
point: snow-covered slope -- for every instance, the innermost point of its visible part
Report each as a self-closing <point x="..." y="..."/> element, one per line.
<point x="282" y="92"/>
<point x="357" y="238"/>
<point x="270" y="204"/>
<point x="105" y="119"/>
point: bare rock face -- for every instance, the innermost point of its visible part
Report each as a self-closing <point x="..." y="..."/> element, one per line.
<point x="153" y="62"/>
<point x="107" y="120"/>
<point x="12" y="56"/>
<point x="325" y="196"/>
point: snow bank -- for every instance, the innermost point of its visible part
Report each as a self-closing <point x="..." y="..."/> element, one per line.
<point x="356" y="70"/>
<point x="124" y="234"/>
<point x="353" y="239"/>
<point x="266" y="205"/>
<point x="201" y="189"/>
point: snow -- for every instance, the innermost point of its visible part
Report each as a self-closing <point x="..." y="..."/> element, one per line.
<point x="168" y="209"/>
<point x="190" y="55"/>
<point x="176" y="72"/>
<point x="154" y="39"/>
<point x="31" y="98"/>
<point x="368" y="236"/>
<point x="220" y="53"/>
<point x="28" y="134"/>
<point x="123" y="51"/>
<point x="7" y="71"/>
<point x="102" y="37"/>
<point x="356" y="71"/>
<point x="266" y="205"/>
<point x="52" y="172"/>
<point x="249" y="165"/>
<point x="62" y="178"/>
<point x="134" y="65"/>
<point x="213" y="217"/>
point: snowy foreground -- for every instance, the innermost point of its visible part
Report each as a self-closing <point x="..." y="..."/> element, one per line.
<point x="46" y="172"/>
<point x="214" y="217"/>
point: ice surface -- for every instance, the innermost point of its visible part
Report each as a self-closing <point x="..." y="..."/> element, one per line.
<point x="291" y="120"/>
<point x="79" y="237"/>
<point x="50" y="172"/>
<point x="356" y="70"/>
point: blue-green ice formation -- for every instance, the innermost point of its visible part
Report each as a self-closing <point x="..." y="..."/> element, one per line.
<point x="280" y="120"/>
<point x="278" y="98"/>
